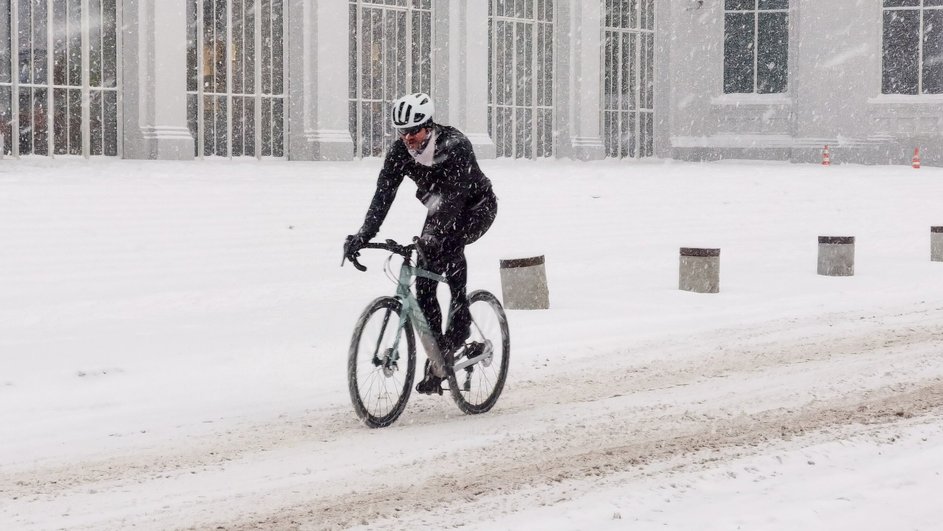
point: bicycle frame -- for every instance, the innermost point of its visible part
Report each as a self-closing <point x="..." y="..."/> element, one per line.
<point x="412" y="311"/>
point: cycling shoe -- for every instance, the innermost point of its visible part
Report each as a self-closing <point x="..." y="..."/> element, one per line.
<point x="429" y="385"/>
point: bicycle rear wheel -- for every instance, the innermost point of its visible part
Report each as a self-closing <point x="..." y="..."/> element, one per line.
<point x="379" y="386"/>
<point x="476" y="387"/>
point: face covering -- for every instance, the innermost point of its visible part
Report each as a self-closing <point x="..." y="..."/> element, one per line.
<point x="424" y="154"/>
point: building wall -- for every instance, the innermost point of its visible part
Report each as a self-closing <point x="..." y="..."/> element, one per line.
<point x="833" y="97"/>
<point x="834" y="94"/>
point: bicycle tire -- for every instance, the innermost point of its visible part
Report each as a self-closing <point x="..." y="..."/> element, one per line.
<point x="366" y="341"/>
<point x="486" y="378"/>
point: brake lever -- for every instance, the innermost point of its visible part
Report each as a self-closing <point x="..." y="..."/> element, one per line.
<point x="353" y="261"/>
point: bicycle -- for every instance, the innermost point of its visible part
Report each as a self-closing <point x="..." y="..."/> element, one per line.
<point x="379" y="387"/>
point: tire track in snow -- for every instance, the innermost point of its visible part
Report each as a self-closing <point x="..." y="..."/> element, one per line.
<point x="719" y="354"/>
<point x="570" y="455"/>
<point x="559" y="415"/>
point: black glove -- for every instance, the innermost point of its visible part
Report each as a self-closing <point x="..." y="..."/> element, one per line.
<point x="353" y="244"/>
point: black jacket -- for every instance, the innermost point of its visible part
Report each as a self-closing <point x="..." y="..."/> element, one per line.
<point x="452" y="186"/>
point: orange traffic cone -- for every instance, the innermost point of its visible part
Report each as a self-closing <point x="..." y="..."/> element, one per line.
<point x="916" y="160"/>
<point x="826" y="157"/>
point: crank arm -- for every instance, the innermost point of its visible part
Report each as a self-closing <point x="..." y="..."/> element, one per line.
<point x="469" y="362"/>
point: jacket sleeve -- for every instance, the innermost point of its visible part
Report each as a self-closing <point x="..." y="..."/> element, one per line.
<point x="387" y="184"/>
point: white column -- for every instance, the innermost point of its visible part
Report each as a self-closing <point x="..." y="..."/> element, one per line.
<point x="662" y="86"/>
<point x="461" y="70"/>
<point x="584" y="81"/>
<point x="474" y="76"/>
<point x="319" y="44"/>
<point x="154" y="62"/>
<point x="446" y="52"/>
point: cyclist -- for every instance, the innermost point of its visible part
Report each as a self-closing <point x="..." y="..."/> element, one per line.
<point x="461" y="207"/>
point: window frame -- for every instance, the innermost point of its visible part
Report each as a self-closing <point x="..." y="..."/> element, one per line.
<point x="756" y="10"/>
<point x="257" y="93"/>
<point x="543" y="19"/>
<point x="55" y="90"/>
<point x="921" y="10"/>
<point x="642" y="22"/>
<point x="365" y="142"/>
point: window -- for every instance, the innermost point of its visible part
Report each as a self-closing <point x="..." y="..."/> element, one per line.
<point x="64" y="102"/>
<point x="391" y="55"/>
<point x="756" y="46"/>
<point x="913" y="47"/>
<point x="235" y="77"/>
<point x="628" y="58"/>
<point x="520" y="77"/>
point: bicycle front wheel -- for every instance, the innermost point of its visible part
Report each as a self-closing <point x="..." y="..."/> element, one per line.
<point x="476" y="387"/>
<point x="379" y="378"/>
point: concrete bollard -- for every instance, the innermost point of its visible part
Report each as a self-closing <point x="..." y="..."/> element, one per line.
<point x="524" y="284"/>
<point x="700" y="270"/>
<point x="836" y="256"/>
<point x="936" y="244"/>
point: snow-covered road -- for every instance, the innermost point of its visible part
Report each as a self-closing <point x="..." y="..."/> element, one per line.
<point x="173" y="340"/>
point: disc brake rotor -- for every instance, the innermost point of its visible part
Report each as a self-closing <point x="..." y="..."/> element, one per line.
<point x="389" y="366"/>
<point x="489" y="354"/>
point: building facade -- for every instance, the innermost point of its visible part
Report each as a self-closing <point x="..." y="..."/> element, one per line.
<point x="584" y="79"/>
<point x="780" y="79"/>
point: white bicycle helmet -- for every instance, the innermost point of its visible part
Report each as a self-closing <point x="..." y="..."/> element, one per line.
<point x="412" y="110"/>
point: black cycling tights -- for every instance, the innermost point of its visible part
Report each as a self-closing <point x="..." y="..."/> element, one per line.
<point x="450" y="263"/>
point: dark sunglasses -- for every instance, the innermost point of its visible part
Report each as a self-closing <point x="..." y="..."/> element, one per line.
<point x="406" y="131"/>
